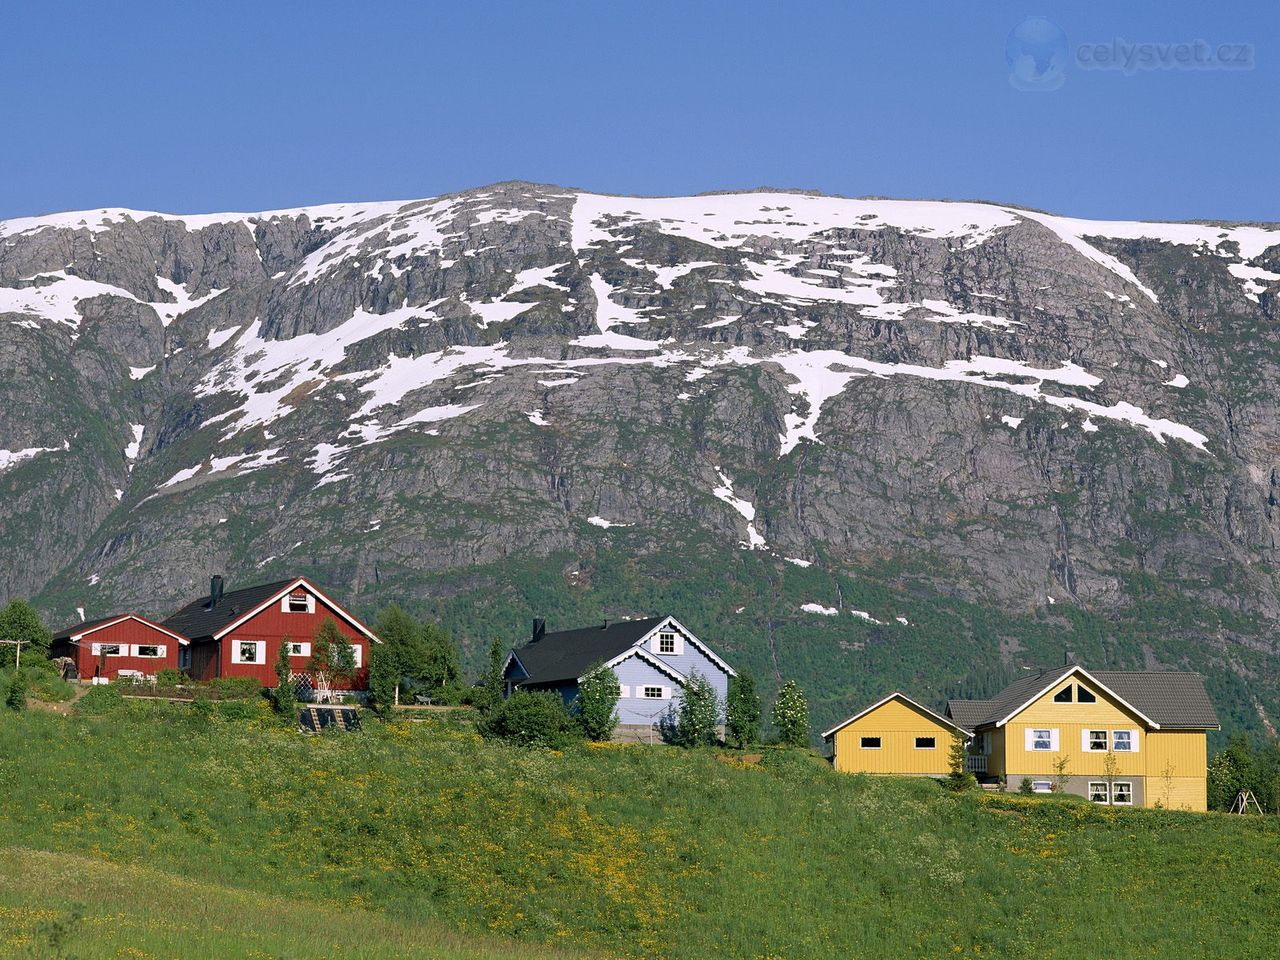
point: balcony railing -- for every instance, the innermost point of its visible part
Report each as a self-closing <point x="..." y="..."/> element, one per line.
<point x="975" y="763"/>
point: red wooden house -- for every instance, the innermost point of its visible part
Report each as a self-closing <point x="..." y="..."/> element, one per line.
<point x="124" y="643"/>
<point x="239" y="634"/>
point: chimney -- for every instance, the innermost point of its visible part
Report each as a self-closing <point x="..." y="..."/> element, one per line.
<point x="215" y="590"/>
<point x="539" y="629"/>
<point x="1068" y="658"/>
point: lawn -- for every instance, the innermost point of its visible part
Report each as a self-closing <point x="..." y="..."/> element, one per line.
<point x="636" y="851"/>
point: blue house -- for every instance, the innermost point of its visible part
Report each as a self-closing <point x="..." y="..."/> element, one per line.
<point x="653" y="659"/>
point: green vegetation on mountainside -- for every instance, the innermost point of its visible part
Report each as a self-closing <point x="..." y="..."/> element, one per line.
<point x="633" y="851"/>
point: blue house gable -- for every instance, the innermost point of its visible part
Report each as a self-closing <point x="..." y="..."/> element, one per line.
<point x="653" y="659"/>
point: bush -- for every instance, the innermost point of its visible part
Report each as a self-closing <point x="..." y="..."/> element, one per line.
<point x="698" y="713"/>
<point x="791" y="715"/>
<point x="742" y="711"/>
<point x="1026" y="788"/>
<point x="100" y="700"/>
<point x="597" y="705"/>
<point x="531" y="718"/>
<point x="15" y="691"/>
<point x="236" y="688"/>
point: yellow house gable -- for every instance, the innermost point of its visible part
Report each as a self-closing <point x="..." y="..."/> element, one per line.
<point x="895" y="736"/>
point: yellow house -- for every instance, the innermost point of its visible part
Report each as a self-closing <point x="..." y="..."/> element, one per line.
<point x="1123" y="739"/>
<point x="895" y="735"/>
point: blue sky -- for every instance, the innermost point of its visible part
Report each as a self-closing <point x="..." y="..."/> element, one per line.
<point x="246" y="106"/>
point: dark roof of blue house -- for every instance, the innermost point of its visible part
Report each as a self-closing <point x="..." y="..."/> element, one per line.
<point x="567" y="654"/>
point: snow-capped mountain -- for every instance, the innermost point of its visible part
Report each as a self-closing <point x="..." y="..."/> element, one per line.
<point x="428" y="399"/>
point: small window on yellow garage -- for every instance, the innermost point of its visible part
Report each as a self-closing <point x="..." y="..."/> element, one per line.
<point x="870" y="743"/>
<point x="926" y="743"/>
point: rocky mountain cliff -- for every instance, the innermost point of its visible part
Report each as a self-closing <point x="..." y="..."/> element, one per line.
<point x="860" y="442"/>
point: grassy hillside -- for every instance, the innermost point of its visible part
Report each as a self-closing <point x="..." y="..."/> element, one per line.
<point x="635" y="851"/>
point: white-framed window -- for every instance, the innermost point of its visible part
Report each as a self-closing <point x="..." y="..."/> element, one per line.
<point x="248" y="651"/>
<point x="1085" y="696"/>
<point x="1124" y="741"/>
<point x="984" y="741"/>
<point x="926" y="743"/>
<point x="870" y="743"/>
<point x="1042" y="786"/>
<point x="654" y="693"/>
<point x="1122" y="793"/>
<point x="298" y="601"/>
<point x="297" y="649"/>
<point x="1095" y="741"/>
<point x="150" y="651"/>
<point x="1098" y="792"/>
<point x="624" y="691"/>
<point x="668" y="643"/>
<point x="1042" y="739"/>
<point x="110" y="650"/>
<point x="357" y="651"/>
<point x="1063" y="695"/>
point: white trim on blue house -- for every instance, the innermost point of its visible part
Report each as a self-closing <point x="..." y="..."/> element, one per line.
<point x="692" y="638"/>
<point x="647" y="657"/>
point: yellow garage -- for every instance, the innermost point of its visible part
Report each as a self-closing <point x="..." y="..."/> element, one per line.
<point x="896" y="735"/>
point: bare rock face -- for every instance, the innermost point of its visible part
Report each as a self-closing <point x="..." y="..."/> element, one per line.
<point x="1006" y="432"/>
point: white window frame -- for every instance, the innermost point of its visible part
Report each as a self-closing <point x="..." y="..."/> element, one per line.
<point x="1106" y="796"/>
<point x="299" y="648"/>
<point x="934" y="746"/>
<point x="1087" y="741"/>
<point x="624" y="692"/>
<point x="1115" y="789"/>
<point x="862" y="742"/>
<point x="236" y="651"/>
<point x="1032" y="739"/>
<point x="286" y="607"/>
<point x="358" y="652"/>
<point x="664" y="693"/>
<point x="1093" y="697"/>
<point x="1132" y="741"/>
<point x="121" y="649"/>
<point x="1042" y="786"/>
<point x="161" y="649"/>
<point x="1069" y="691"/>
<point x="677" y="643"/>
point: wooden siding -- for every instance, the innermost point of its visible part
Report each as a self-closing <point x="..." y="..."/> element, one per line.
<point x="1176" y="762"/>
<point x="1071" y="720"/>
<point x="897" y="724"/>
<point x="126" y="633"/>
<point x="272" y="625"/>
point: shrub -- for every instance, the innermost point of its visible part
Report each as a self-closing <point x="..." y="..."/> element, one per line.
<point x="284" y="698"/>
<point x="1026" y="788"/>
<point x="698" y="713"/>
<point x="958" y="778"/>
<point x="15" y="691"/>
<point x="742" y="711"/>
<point x="791" y="715"/>
<point x="531" y="718"/>
<point x="235" y="688"/>
<point x="19" y="623"/>
<point x="384" y="679"/>
<point x="597" y="705"/>
<point x="100" y="700"/>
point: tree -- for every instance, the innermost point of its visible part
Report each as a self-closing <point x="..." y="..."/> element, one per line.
<point x="400" y="634"/>
<point x="597" y="703"/>
<point x="332" y="659"/>
<point x="1231" y="771"/>
<point x="1110" y="772"/>
<point x="284" y="698"/>
<point x="20" y="624"/>
<point x="492" y="683"/>
<point x="959" y="778"/>
<point x="1061" y="775"/>
<point x="791" y="715"/>
<point x="441" y="663"/>
<point x="742" y="711"/>
<point x="698" y="713"/>
<point x="384" y="677"/>
<point x="531" y="718"/>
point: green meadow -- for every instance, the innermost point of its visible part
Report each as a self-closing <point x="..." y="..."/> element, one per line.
<point x="167" y="831"/>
